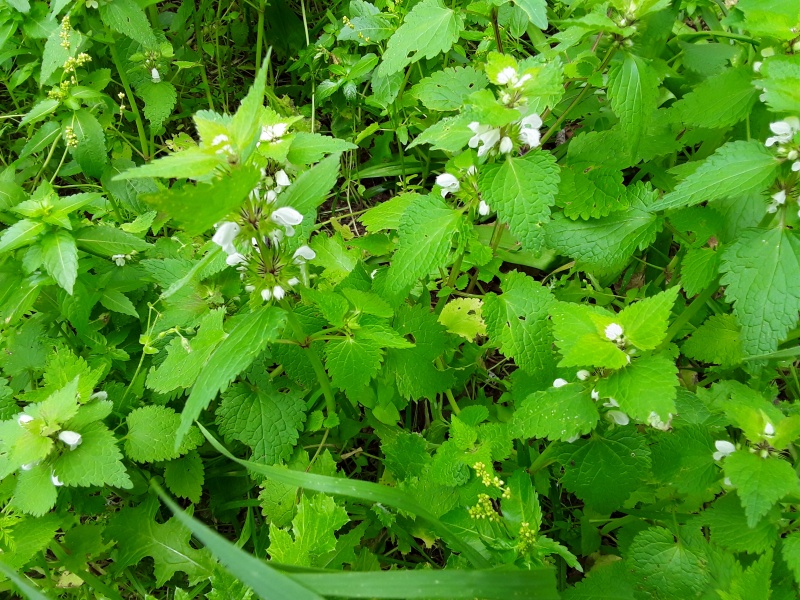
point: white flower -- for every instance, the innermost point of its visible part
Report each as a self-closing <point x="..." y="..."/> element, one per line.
<point x="727" y="481"/>
<point x="56" y="481"/>
<point x="288" y="218"/>
<point x="595" y="395"/>
<point x="507" y="75"/>
<point x="796" y="166"/>
<point x="99" y="396"/>
<point x="293" y="281"/>
<point x="572" y="439"/>
<point x="225" y="234"/>
<point x="506" y="145"/>
<point x="654" y="420"/>
<point x="448" y="183"/>
<point x="302" y="254"/>
<point x="91" y="4"/>
<point x="614" y="332"/>
<point x="119" y="259"/>
<point x="784" y="131"/>
<point x="769" y="430"/>
<point x="484" y="209"/>
<point x="611" y="403"/>
<point x="560" y="383"/>
<point x="529" y="130"/>
<point x="724" y="448"/>
<point x="583" y="375"/>
<point x="28" y="466"/>
<point x="619" y="417"/>
<point x="485" y="137"/>
<point x="235" y="259"/>
<point x="778" y="199"/>
<point x="71" y="439"/>
<point x="282" y="179"/>
<point x="757" y="66"/>
<point x="266" y="294"/>
<point x="278" y="292"/>
<point x="271" y="196"/>
<point x="270" y="133"/>
<point x="155" y="75"/>
<point x="219" y="140"/>
<point x="22" y="419"/>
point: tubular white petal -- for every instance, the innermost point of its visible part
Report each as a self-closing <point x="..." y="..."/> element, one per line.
<point x="506" y="145"/>
<point x="724" y="447"/>
<point x="293" y="281"/>
<point x="225" y="234"/>
<point x="99" y="396"/>
<point x="235" y="259"/>
<point x="55" y="480"/>
<point x="282" y="179"/>
<point x="24" y="418"/>
<point x="71" y="439"/>
<point x="484" y="209"/>
<point x="506" y="75"/>
<point x="155" y="75"/>
<point x="560" y="383"/>
<point x="304" y="253"/>
<point x="266" y="294"/>
<point x="613" y="332"/>
<point x="286" y="216"/>
<point x="278" y="292"/>
<point x="583" y="375"/>
<point x="619" y="417"/>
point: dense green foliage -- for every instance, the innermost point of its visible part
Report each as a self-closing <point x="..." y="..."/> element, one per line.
<point x="422" y="299"/>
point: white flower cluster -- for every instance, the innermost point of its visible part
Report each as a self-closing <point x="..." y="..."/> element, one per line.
<point x="72" y="439"/>
<point x="155" y="75"/>
<point x="450" y="184"/>
<point x="272" y="133"/>
<point x="486" y="137"/>
<point x="784" y="139"/>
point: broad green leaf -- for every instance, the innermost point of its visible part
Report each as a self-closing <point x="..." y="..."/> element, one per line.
<point x="308" y="148"/>
<point x="96" y="461"/>
<point x="60" y="258"/>
<point x="644" y="323"/>
<point x="720" y="101"/>
<point x="790" y="552"/>
<point x="387" y="215"/>
<point x="450" y="134"/>
<point x="108" y="241"/>
<point x="605" y="471"/>
<point x="90" y="153"/>
<point x="367" y="24"/>
<point x="43" y="138"/>
<point x="151" y="435"/>
<point x="759" y="482"/>
<point x="35" y="493"/>
<point x="762" y="278"/>
<point x="127" y="18"/>
<point x="778" y="83"/>
<point x="516" y="322"/>
<point x="462" y="316"/>
<point x="446" y="90"/>
<point x="633" y="91"/>
<point x="39" y="111"/>
<point x="198" y="207"/>
<point x="313" y="527"/>
<point x="717" y="341"/>
<point x="159" y="101"/>
<point x="193" y="163"/>
<point x="311" y="189"/>
<point x="19" y="234"/>
<point x="522" y="190"/>
<point x="647" y="385"/>
<point x="523" y="504"/>
<point x="535" y="10"/>
<point x="242" y="129"/>
<point x="245" y="342"/>
<point x="735" y="169"/>
<point x="556" y="414"/>
<point x="118" y="302"/>
<point x="352" y="362"/>
<point x="699" y="269"/>
<point x="428" y="29"/>
<point x="666" y="568"/>
<point x="184" y="476"/>
<point x="580" y="336"/>
<point x="728" y="526"/>
<point x="263" y="418"/>
<point x="590" y="190"/>
<point x="609" y="581"/>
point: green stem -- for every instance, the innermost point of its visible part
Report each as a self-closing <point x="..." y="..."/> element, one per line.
<point x="496" y="26"/>
<point x="199" y="40"/>
<point x="259" y="35"/>
<point x="691" y="310"/>
<point x="455" y="271"/>
<point x="123" y="77"/>
<point x="543" y="460"/>
<point x="451" y="400"/>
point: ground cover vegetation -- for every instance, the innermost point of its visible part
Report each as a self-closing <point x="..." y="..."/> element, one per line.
<point x="414" y="299"/>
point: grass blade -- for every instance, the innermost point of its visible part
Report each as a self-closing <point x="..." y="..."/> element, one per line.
<point x="26" y="589"/>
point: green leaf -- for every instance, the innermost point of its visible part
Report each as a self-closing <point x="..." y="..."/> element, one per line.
<point x="759" y="482"/>
<point x="699" y="268"/>
<point x="447" y="89"/>
<point x="308" y="148"/>
<point x="579" y="334"/>
<point x="516" y="322"/>
<point x="263" y="418"/>
<point x="90" y="153"/>
<point x="428" y="29"/>
<point x="605" y="246"/>
<point x="367" y="24"/>
<point x="118" y="302"/>
<point x="462" y="316"/>
<point x="159" y="101"/>
<point x="127" y="18"/>
<point x="97" y="461"/>
<point x="313" y="527"/>
<point x="250" y="111"/>
<point x="790" y="552"/>
<point x="388" y="214"/>
<point x="26" y="589"/>
<point x="39" y="111"/>
<point x="523" y="504"/>
<point x="352" y="362"/>
<point x="450" y="134"/>
<point x="151" y="435"/>
<point x="717" y="341"/>
<point x="522" y="190"/>
<point x="590" y="191"/>
<point x="192" y="163"/>
<point x="40" y="140"/>
<point x="720" y="101"/>
<point x="248" y="339"/>
<point x="108" y="241"/>
<point x="198" y="207"/>
<point x="60" y="258"/>
<point x="184" y="476"/>
<point x="778" y="83"/>
<point x="536" y="11"/>
<point x="19" y="234"/>
<point x="605" y="471"/>
<point x="35" y="493"/>
<point x="312" y="187"/>
<point x="556" y="414"/>
<point x="633" y="92"/>
<point x="728" y="527"/>
<point x="665" y="568"/>
<point x="762" y="274"/>
<point x="644" y="323"/>
<point x="735" y="169"/>
<point x="648" y="385"/>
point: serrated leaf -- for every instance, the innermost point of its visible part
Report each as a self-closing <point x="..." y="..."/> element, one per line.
<point x="127" y="18"/>
<point x="151" y="435"/>
<point x="535" y="10"/>
<point x="446" y="90"/>
<point x="720" y="101"/>
<point x="633" y="91"/>
<point x="352" y="362"/>
<point x="579" y="335"/>
<point x="735" y="169"/>
<point x="516" y="321"/>
<point x="522" y="190"/>
<point x="667" y="569"/>
<point x="523" y="504"/>
<point x="387" y="215"/>
<point x="648" y="385"/>
<point x="96" y="461"/>
<point x="184" y="476"/>
<point x="717" y="341"/>
<point x="762" y="274"/>
<point x="90" y="152"/>
<point x="108" y="241"/>
<point x="309" y="190"/>
<point x="556" y="414"/>
<point x="450" y="134"/>
<point x="778" y="83"/>
<point x="591" y="191"/>
<point x="246" y="341"/>
<point x="644" y="323"/>
<point x="428" y="29"/>
<point x="264" y="419"/>
<point x="60" y="258"/>
<point x="790" y="552"/>
<point x="159" y="101"/>
<point x="192" y="163"/>
<point x="35" y="493"/>
<point x="308" y="148"/>
<point x="462" y="316"/>
<point x="19" y="234"/>
<point x="39" y="111"/>
<point x="118" y="302"/>
<point x="699" y="268"/>
<point x="759" y="482"/>
<point x="728" y="527"/>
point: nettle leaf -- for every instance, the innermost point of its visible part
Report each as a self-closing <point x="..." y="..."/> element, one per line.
<point x="138" y="535"/>
<point x="19" y="234"/>
<point x="759" y="482"/>
<point x="667" y="568"/>
<point x="447" y="89"/>
<point x="605" y="471"/>
<point x="762" y="274"/>
<point x="591" y="191"/>
<point x="605" y="245"/>
<point x="108" y="241"/>
<point x="266" y="420"/>
<point x="35" y="493"/>
<point x="523" y="505"/>
<point x="633" y="92"/>
<point x="579" y="335"/>
<point x="192" y="163"/>
<point x="128" y="18"/>
<point x="367" y="25"/>
<point x="522" y="190"/>
<point x="159" y="101"/>
<point x="779" y="83"/>
<point x="352" y="362"/>
<point x="428" y="29"/>
<point x="720" y="101"/>
<point x="728" y="527"/>
<point x="428" y="229"/>
<point x="462" y="316"/>
<point x="717" y="341"/>
<point x="90" y="153"/>
<point x="308" y="148"/>
<point x="516" y="322"/>
<point x="184" y="476"/>
<point x="790" y="552"/>
<point x="535" y="10"/>
<point x="644" y="323"/>
<point x="246" y="341"/>
<point x="648" y="385"/>
<point x="311" y="188"/>
<point x="60" y="258"/>
<point x="699" y="268"/>
<point x="151" y="435"/>
<point x="735" y="169"/>
<point x="96" y="461"/>
<point x="556" y="414"/>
